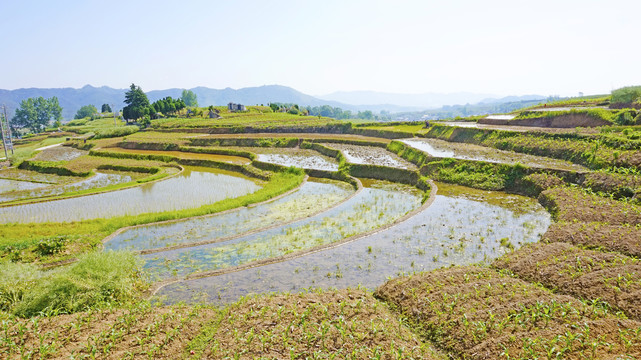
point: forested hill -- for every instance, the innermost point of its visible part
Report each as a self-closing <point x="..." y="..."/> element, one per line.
<point x="72" y="99"/>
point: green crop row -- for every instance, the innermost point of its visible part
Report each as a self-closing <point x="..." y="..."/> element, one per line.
<point x="51" y="167"/>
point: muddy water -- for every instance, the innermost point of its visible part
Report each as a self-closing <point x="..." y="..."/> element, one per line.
<point x="371" y="208"/>
<point x="192" y="188"/>
<point x="315" y="195"/>
<point x="371" y="155"/>
<point x="186" y="155"/>
<point x="97" y="181"/>
<point x="59" y="153"/>
<point x="464" y="226"/>
<point x="304" y="161"/>
<point x="445" y="149"/>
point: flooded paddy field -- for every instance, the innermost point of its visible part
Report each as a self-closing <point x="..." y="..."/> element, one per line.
<point x="192" y="188"/>
<point x="301" y="158"/>
<point x="461" y="226"/>
<point x="371" y="155"/>
<point x="99" y="180"/>
<point x="185" y="155"/>
<point x="445" y="149"/>
<point x="375" y="206"/>
<point x="7" y="185"/>
<point x="59" y="153"/>
<point x="471" y="124"/>
<point x="312" y="197"/>
<point x="34" y="176"/>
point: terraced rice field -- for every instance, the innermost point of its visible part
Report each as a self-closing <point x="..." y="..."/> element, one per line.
<point x="314" y="196"/>
<point x="444" y="149"/>
<point x="373" y="207"/>
<point x="190" y="189"/>
<point x="371" y="155"/>
<point x="99" y="180"/>
<point x="463" y="226"/>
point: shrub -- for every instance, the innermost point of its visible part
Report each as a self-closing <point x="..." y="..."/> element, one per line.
<point x="77" y="122"/>
<point x="625" y="117"/>
<point x="116" y="132"/>
<point x="50" y="246"/>
<point x="626" y="95"/>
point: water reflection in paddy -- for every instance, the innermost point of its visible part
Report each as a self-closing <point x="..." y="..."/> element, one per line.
<point x="316" y="162"/>
<point x="312" y="197"/>
<point x="192" y="188"/>
<point x="7" y="185"/>
<point x="371" y="155"/>
<point x="97" y="181"/>
<point x="373" y="207"/>
<point x="445" y="149"/>
<point x="456" y="229"/>
<point x="59" y="153"/>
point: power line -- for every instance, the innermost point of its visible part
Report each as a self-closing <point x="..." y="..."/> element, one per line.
<point x="5" y="130"/>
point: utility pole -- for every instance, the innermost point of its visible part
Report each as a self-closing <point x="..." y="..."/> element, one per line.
<point x="5" y="130"/>
<point x="113" y="111"/>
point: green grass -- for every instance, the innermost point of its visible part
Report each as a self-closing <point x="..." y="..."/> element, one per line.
<point x="96" y="278"/>
<point x="102" y="128"/>
<point x="27" y="151"/>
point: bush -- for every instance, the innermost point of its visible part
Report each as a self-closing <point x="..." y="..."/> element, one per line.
<point x="626" y="95"/>
<point x="77" y="122"/>
<point x="625" y="117"/>
<point x="51" y="245"/>
<point x="116" y="132"/>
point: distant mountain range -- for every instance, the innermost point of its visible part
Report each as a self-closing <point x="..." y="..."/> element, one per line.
<point x="72" y="99"/>
<point x="421" y="101"/>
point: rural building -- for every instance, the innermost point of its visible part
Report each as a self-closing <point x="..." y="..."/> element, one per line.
<point x="236" y="107"/>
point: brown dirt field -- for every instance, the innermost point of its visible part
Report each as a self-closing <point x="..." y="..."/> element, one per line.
<point x="561" y="121"/>
<point x="342" y="324"/>
<point x="567" y="204"/>
<point x="621" y="186"/>
<point x="630" y="158"/>
<point x="587" y="274"/>
<point x="540" y="182"/>
<point x="336" y="324"/>
<point x="139" y="332"/>
<point x="479" y="313"/>
<point x="625" y="239"/>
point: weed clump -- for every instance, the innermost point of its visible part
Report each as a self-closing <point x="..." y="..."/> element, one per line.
<point x="96" y="279"/>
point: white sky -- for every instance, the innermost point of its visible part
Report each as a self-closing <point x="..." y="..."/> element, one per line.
<point x="510" y="47"/>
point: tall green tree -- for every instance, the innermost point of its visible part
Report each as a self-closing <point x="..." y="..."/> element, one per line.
<point x="86" y="111"/>
<point x="105" y="108"/>
<point x="36" y="113"/>
<point x="137" y="103"/>
<point x="189" y="98"/>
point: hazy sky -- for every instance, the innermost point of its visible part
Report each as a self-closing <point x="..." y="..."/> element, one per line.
<point x="492" y="46"/>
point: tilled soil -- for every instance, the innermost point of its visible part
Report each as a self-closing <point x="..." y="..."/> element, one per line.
<point x="137" y="332"/>
<point x="342" y="324"/>
<point x="625" y="239"/>
<point x="621" y="186"/>
<point x="479" y="313"/>
<point x="587" y="274"/>
<point x="568" y="204"/>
